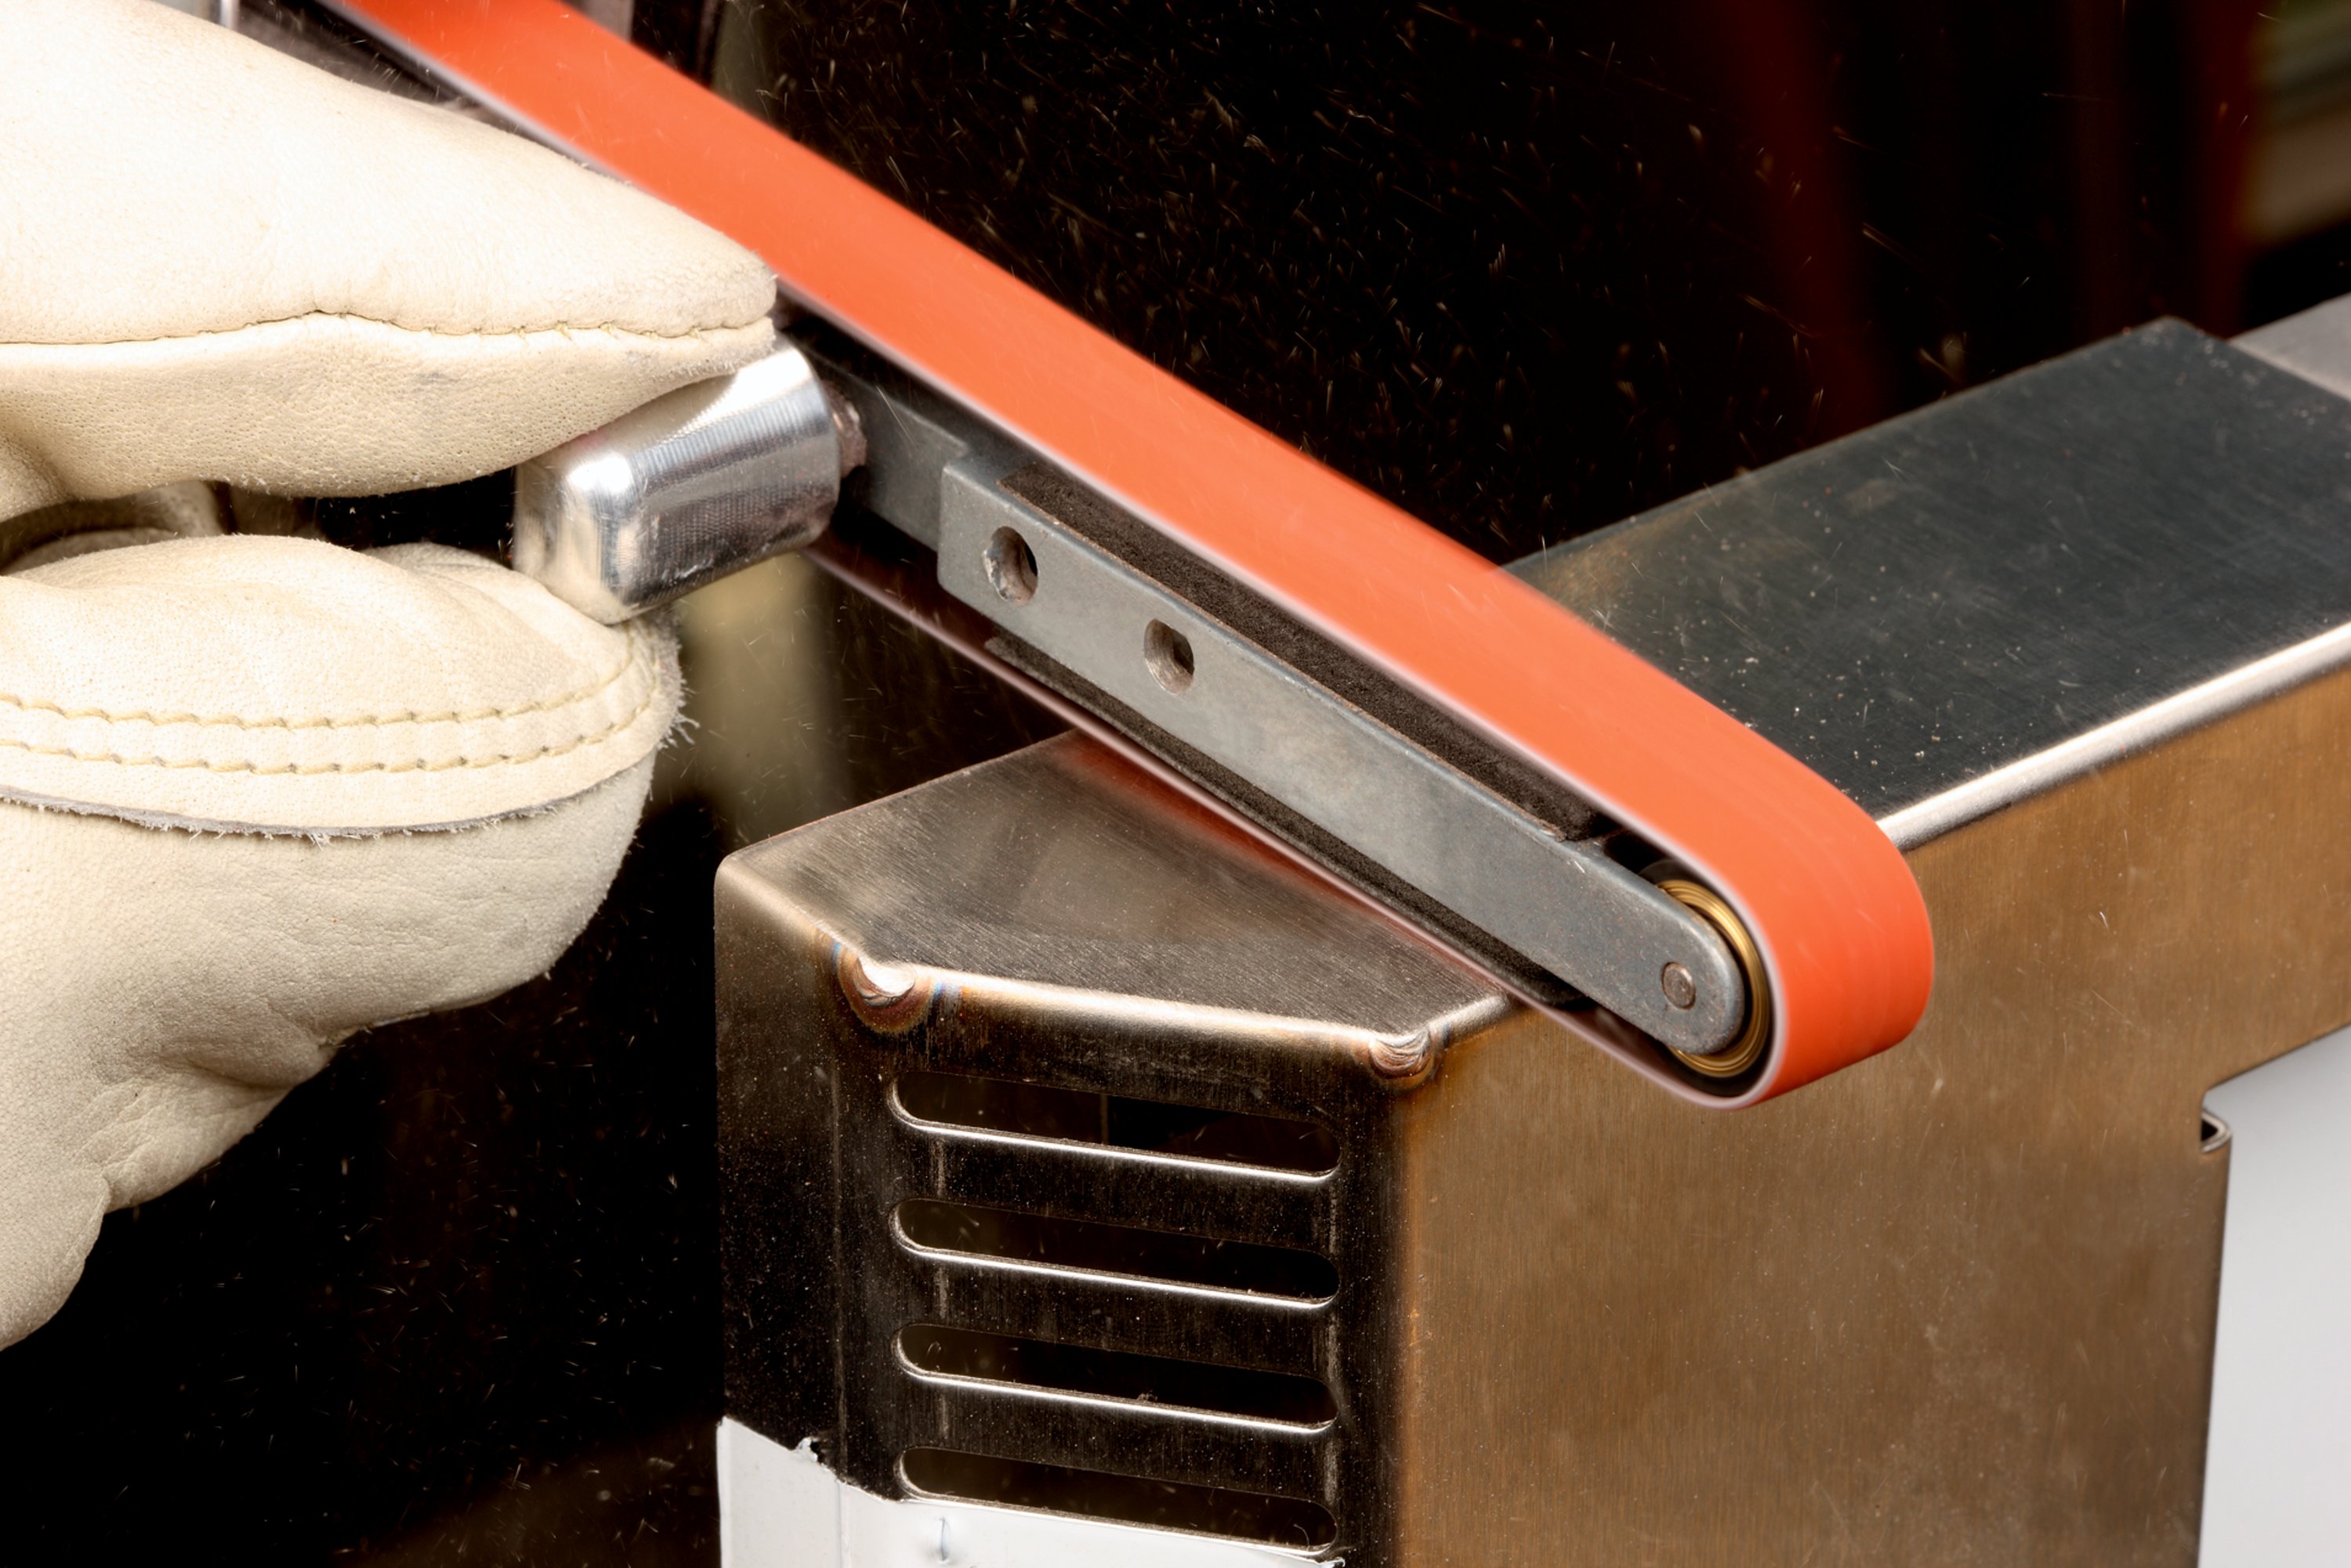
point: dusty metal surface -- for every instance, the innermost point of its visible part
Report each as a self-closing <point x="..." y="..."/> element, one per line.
<point x="1038" y="869"/>
<point x="1954" y="1306"/>
<point x="1056" y="921"/>
<point x="1970" y="603"/>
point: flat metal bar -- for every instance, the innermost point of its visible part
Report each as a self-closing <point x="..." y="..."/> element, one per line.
<point x="1413" y="828"/>
<point x="1557" y="900"/>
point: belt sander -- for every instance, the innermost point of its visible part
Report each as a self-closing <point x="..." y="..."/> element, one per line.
<point x="1438" y="737"/>
<point x="1190" y="1127"/>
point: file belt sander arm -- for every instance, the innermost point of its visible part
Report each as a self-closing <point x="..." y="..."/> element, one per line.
<point x="1430" y="729"/>
<point x="1079" y="601"/>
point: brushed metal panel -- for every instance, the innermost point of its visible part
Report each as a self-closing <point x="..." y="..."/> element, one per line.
<point x="1051" y="875"/>
<point x="2065" y="565"/>
<point x="1057" y="918"/>
<point x="1954" y="1305"/>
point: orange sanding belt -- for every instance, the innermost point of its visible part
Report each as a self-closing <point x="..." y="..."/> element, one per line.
<point x="1833" y="908"/>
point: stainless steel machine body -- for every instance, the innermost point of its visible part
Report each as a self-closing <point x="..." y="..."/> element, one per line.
<point x="1262" y="1033"/>
<point x="1015" y="1067"/>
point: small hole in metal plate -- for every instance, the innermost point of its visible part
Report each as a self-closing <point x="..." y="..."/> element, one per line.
<point x="1012" y="566"/>
<point x="1125" y="1499"/>
<point x="1160" y="1381"/>
<point x="1169" y="654"/>
<point x="2212" y="1134"/>
<point x="1114" y="1120"/>
<point x="1173" y="1257"/>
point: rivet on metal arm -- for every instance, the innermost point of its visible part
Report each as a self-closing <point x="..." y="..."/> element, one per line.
<point x="1747" y="1045"/>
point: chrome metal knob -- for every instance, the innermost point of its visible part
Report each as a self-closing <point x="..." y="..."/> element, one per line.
<point x="692" y="486"/>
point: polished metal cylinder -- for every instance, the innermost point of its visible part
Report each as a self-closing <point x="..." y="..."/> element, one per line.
<point x="691" y="487"/>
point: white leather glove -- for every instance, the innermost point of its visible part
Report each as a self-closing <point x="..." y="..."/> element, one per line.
<point x="257" y="793"/>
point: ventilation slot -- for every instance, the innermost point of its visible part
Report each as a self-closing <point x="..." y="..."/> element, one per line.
<point x="1151" y="1127"/>
<point x="1159" y="1381"/>
<point x="1124" y="1500"/>
<point x="1017" y="1237"/>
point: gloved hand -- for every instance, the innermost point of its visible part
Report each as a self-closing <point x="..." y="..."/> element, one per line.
<point x="257" y="793"/>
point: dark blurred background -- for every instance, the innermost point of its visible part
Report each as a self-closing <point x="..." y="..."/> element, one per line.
<point x="1528" y="269"/>
<point x="1525" y="270"/>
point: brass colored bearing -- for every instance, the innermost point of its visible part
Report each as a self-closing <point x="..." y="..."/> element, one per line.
<point x="1741" y="1053"/>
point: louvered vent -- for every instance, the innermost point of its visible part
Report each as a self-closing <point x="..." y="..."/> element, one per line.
<point x="1093" y="1298"/>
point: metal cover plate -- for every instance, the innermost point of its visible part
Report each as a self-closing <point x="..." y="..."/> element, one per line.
<point x="1058" y="882"/>
<point x="1921" y="610"/>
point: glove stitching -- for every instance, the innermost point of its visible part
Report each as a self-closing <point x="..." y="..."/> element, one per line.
<point x="365" y="721"/>
<point x="695" y="334"/>
<point x="653" y="693"/>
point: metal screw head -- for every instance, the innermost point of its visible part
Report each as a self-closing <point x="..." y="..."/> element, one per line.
<point x="1680" y="989"/>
